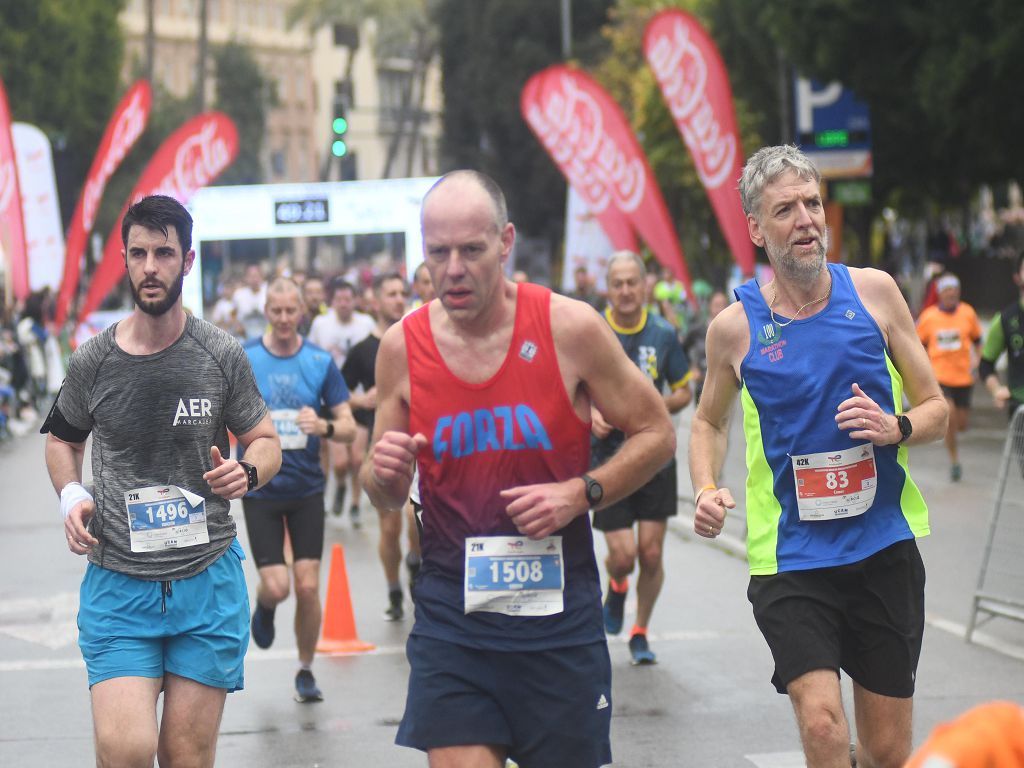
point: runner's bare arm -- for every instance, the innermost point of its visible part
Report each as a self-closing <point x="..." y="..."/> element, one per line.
<point x="928" y="412"/>
<point x="311" y="423"/>
<point x="262" y="447"/>
<point x="727" y="343"/>
<point x="387" y="472"/>
<point x="64" y="462"/>
<point x="679" y="397"/>
<point x="594" y="367"/>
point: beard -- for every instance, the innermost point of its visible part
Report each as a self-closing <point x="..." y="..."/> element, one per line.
<point x="801" y="271"/>
<point x="159" y="306"/>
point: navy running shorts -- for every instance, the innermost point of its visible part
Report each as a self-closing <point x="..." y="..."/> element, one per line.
<point x="550" y="708"/>
<point x="658" y="499"/>
<point x="866" y="618"/>
<point x="265" y="520"/>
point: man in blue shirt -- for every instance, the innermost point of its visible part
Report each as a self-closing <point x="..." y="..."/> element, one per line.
<point x="652" y="344"/>
<point x="296" y="379"/>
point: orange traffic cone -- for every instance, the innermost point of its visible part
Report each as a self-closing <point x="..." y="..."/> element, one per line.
<point x="339" y="624"/>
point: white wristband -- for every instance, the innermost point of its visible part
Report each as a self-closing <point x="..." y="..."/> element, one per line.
<point x="70" y="495"/>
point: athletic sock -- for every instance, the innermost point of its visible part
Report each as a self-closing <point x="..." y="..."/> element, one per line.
<point x="618" y="586"/>
<point x="638" y="630"/>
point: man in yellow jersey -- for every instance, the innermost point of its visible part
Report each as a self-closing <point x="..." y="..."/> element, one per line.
<point x="820" y="358"/>
<point x="949" y="330"/>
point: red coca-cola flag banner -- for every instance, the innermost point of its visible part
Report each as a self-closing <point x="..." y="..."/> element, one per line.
<point x="592" y="142"/>
<point x="125" y="127"/>
<point x="693" y="80"/>
<point x="190" y="158"/>
<point x="12" y="225"/>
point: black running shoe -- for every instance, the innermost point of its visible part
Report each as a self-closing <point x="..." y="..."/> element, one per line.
<point x="263" y="626"/>
<point x="305" y="687"/>
<point x="339" y="501"/>
<point x="614" y="608"/>
<point x="641" y="651"/>
<point x="394" y="611"/>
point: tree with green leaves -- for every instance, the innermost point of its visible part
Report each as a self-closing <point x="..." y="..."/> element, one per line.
<point x="245" y="95"/>
<point x="60" y="63"/>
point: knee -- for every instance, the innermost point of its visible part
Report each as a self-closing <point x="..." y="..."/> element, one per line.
<point x="274" y="590"/>
<point x="823" y="726"/>
<point x="650" y="556"/>
<point x="307" y="589"/>
<point x="621" y="562"/>
<point x="121" y="750"/>
<point x="889" y="751"/>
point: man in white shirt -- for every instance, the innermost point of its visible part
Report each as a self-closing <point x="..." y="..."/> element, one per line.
<point x="337" y="331"/>
<point x="250" y="298"/>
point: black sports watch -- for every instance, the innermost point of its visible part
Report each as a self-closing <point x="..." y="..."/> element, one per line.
<point x="594" y="491"/>
<point x="329" y="432"/>
<point x="252" y="478"/>
<point x="906" y="428"/>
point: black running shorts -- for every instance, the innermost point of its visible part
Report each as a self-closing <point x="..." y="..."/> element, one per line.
<point x="657" y="500"/>
<point x="866" y="618"/>
<point x="961" y="396"/>
<point x="266" y="519"/>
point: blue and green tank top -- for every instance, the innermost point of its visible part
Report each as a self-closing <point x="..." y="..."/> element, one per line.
<point x="793" y="379"/>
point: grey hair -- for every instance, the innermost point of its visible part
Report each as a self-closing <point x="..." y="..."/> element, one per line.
<point x="768" y="164"/>
<point x="284" y="285"/>
<point x="627" y="255"/>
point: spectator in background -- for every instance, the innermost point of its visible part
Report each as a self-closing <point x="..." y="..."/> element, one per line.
<point x="250" y="298"/>
<point x="338" y="331"/>
<point x="696" y="338"/>
<point x="32" y="335"/>
<point x="422" y="287"/>
<point x="225" y="312"/>
<point x="949" y="331"/>
<point x="1006" y="334"/>
<point x="313" y="296"/>
<point x="586" y="289"/>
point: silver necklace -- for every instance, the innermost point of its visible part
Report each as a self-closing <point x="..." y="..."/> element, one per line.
<point x="775" y="297"/>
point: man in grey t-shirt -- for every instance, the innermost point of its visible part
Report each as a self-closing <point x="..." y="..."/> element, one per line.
<point x="163" y="603"/>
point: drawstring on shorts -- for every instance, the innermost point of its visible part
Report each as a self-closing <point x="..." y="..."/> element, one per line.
<point x="165" y="592"/>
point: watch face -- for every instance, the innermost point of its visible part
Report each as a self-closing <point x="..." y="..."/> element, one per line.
<point x="594" y="491"/>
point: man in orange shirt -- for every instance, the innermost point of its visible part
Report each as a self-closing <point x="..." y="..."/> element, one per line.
<point x="948" y="330"/>
<point x="990" y="735"/>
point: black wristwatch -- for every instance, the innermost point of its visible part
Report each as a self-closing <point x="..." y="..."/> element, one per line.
<point x="330" y="429"/>
<point x="594" y="491"/>
<point x="906" y="428"/>
<point x="252" y="478"/>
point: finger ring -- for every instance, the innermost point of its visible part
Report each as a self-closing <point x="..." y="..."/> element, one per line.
<point x="863" y="422"/>
<point x="711" y="530"/>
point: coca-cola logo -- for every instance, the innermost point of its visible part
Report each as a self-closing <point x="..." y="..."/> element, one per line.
<point x="682" y="73"/>
<point x="197" y="161"/>
<point x="125" y="132"/>
<point x="570" y="123"/>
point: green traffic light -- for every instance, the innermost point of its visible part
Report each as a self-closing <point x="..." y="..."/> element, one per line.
<point x="338" y="148"/>
<point x="340" y="125"/>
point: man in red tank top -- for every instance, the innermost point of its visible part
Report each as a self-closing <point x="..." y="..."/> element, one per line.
<point x="488" y="388"/>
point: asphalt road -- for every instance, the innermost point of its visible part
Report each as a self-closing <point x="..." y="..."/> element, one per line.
<point x="707" y="703"/>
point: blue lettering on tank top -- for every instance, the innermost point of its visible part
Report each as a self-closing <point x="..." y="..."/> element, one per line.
<point x="503" y="427"/>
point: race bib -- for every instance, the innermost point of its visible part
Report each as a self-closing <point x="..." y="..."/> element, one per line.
<point x="948" y="340"/>
<point x="514" y="575"/>
<point x="835" y="484"/>
<point x="286" y="422"/>
<point x="165" y="517"/>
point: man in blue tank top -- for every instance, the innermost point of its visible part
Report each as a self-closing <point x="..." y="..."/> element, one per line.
<point x="820" y="358"/>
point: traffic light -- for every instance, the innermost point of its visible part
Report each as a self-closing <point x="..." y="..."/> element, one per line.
<point x="339" y="148"/>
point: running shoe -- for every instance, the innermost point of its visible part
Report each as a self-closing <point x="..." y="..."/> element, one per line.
<point x="305" y="688"/>
<point x="339" y="501"/>
<point x="955" y="473"/>
<point x="614" y="608"/>
<point x="394" y="611"/>
<point x="263" y="626"/>
<point x="353" y="513"/>
<point x="641" y="651"/>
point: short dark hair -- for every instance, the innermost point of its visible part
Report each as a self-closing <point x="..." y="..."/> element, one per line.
<point x="159" y="212"/>
<point x="341" y="284"/>
<point x="379" y="280"/>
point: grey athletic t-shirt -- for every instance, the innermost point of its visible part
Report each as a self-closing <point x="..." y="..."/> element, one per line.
<point x="153" y="420"/>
